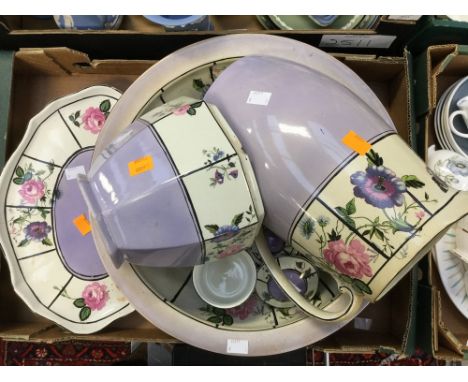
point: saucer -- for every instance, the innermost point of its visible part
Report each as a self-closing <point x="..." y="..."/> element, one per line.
<point x="44" y="228"/>
<point x="226" y="283"/>
<point x="453" y="271"/>
<point x="300" y="273"/>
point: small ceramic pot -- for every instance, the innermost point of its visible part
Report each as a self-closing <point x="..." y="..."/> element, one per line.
<point x="449" y="167"/>
<point x="175" y="23"/>
<point x="88" y="22"/>
<point x="175" y="189"/>
<point x="365" y="216"/>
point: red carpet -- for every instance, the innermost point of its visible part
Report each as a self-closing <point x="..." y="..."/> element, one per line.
<point x="63" y="353"/>
<point x="108" y="353"/>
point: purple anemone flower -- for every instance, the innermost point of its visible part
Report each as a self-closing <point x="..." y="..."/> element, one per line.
<point x="379" y="186"/>
<point x="226" y="232"/>
<point x="234" y="173"/>
<point x="37" y="231"/>
<point x="219" y="178"/>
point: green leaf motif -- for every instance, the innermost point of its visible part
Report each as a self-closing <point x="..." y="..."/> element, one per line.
<point x="198" y="84"/>
<point x="19" y="220"/>
<point x="236" y="220"/>
<point x="76" y="123"/>
<point x="212" y="227"/>
<point x="71" y="118"/>
<point x="366" y="232"/>
<point x="47" y="241"/>
<point x="85" y="312"/>
<point x="412" y="181"/>
<point x="345" y="217"/>
<point x="351" y="207"/>
<point x="215" y="319"/>
<point x="374" y="159"/>
<point x="19" y="171"/>
<point x="333" y="236"/>
<point x="77" y="114"/>
<point x="18" y="181"/>
<point x="227" y="320"/>
<point x="191" y="111"/>
<point x="218" y="311"/>
<point x="426" y="196"/>
<point x="379" y="234"/>
<point x="79" y="303"/>
<point x="361" y="286"/>
<point x="105" y="106"/>
<point x="27" y="176"/>
<point x="196" y="105"/>
<point x="346" y="279"/>
<point x="24" y="243"/>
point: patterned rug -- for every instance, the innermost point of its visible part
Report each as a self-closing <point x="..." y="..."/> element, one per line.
<point x="88" y="353"/>
<point x="63" y="353"/>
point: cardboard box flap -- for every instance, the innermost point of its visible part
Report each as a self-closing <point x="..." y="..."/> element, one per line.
<point x="445" y="333"/>
<point x="61" y="60"/>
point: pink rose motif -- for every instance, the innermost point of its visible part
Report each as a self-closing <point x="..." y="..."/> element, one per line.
<point x="93" y="119"/>
<point x="95" y="296"/>
<point x="32" y="190"/>
<point x="420" y="214"/>
<point x="231" y="250"/>
<point x="244" y="310"/>
<point x="181" y="110"/>
<point x="352" y="259"/>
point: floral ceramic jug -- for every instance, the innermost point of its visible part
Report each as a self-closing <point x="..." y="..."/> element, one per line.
<point x="365" y="217"/>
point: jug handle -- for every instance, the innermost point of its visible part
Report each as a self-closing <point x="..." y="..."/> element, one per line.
<point x="347" y="309"/>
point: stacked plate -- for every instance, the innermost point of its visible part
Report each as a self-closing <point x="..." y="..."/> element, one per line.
<point x="451" y="119"/>
<point x="452" y="263"/>
<point x="307" y="22"/>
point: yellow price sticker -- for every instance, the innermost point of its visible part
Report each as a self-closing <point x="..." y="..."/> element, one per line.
<point x="140" y="165"/>
<point x="356" y="143"/>
<point x="82" y="224"/>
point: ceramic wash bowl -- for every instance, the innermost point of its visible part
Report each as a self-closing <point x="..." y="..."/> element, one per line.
<point x="54" y="266"/>
<point x="190" y="72"/>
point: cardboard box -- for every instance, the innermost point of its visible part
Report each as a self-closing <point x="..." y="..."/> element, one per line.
<point x="137" y="34"/>
<point x="34" y="77"/>
<point x="444" y="331"/>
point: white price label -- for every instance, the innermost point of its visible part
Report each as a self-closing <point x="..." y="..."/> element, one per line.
<point x="259" y="98"/>
<point x="237" y="347"/>
<point x="362" y="323"/>
<point x="404" y="17"/>
<point x="356" y="41"/>
<point x="73" y="172"/>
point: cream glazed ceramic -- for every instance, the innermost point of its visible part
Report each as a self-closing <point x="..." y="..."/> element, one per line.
<point x="365" y="218"/>
<point x="199" y="202"/>
<point x="190" y="72"/>
<point x="54" y="268"/>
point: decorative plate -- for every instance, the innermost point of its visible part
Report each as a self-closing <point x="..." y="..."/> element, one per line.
<point x="289" y="22"/>
<point x="453" y="271"/>
<point x="168" y="298"/>
<point x="300" y="272"/>
<point x="44" y="230"/>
